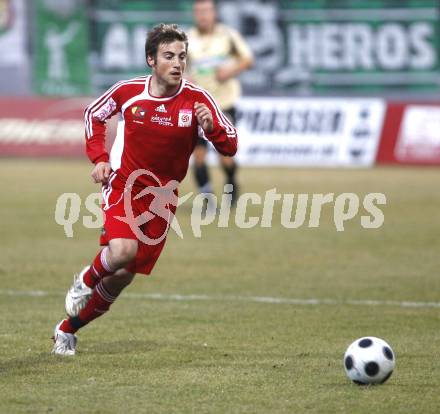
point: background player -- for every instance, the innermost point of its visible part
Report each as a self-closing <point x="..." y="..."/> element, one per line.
<point x="162" y="118"/>
<point x="218" y="54"/>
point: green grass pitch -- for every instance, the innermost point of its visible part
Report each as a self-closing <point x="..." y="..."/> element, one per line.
<point x="224" y="351"/>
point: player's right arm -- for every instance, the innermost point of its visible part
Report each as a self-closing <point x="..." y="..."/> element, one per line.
<point x="95" y="117"/>
<point x="215" y="125"/>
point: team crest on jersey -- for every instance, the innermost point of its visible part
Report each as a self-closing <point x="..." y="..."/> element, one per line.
<point x="185" y="117"/>
<point x="138" y="112"/>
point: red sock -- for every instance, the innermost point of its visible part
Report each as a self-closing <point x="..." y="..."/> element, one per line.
<point x="98" y="269"/>
<point x="98" y="304"/>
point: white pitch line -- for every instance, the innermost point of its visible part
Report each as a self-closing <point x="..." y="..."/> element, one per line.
<point x="244" y="299"/>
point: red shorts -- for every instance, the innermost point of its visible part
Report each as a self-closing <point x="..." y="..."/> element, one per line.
<point x="151" y="235"/>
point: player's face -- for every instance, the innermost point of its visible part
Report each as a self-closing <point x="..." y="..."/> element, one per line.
<point x="204" y="15"/>
<point x="170" y="63"/>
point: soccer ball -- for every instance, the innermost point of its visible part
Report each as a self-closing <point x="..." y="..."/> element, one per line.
<point x="369" y="360"/>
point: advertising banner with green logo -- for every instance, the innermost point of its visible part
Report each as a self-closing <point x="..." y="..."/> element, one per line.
<point x="367" y="46"/>
<point x="61" y="48"/>
<point x="301" y="46"/>
<point x="327" y="47"/>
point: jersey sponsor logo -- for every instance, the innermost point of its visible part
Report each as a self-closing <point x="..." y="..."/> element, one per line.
<point x="185" y="117"/>
<point x="161" y="108"/>
<point x="105" y="111"/>
<point x="162" y="120"/>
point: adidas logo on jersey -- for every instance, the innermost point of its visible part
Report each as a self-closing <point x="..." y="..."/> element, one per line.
<point x="161" y="108"/>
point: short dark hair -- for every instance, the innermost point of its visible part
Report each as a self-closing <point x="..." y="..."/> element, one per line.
<point x="163" y="33"/>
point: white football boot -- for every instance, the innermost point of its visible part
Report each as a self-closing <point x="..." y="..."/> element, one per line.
<point x="78" y="295"/>
<point x="64" y="343"/>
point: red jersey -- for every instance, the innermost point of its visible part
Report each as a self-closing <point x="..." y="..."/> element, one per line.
<point x="156" y="133"/>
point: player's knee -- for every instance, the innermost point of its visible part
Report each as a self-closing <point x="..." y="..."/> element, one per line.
<point x="227" y="162"/>
<point x="123" y="251"/>
<point x="199" y="162"/>
<point x="199" y="156"/>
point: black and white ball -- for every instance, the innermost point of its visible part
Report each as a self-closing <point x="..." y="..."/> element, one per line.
<point x="369" y="360"/>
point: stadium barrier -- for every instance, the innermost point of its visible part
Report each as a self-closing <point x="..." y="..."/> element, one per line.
<point x="309" y="131"/>
<point x="410" y="134"/>
<point x="43" y="127"/>
<point x="327" y="132"/>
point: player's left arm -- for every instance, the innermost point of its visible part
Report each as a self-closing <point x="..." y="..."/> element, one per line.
<point x="216" y="126"/>
<point x="242" y="54"/>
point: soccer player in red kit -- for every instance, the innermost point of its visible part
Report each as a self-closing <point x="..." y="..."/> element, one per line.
<point x="163" y="116"/>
